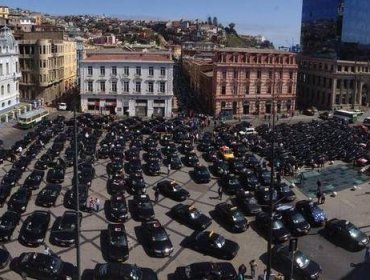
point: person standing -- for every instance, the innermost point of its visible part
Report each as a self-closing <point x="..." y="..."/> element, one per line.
<point x="241" y="272"/>
<point x="253" y="267"/>
<point x="319" y="192"/>
<point x="97" y="204"/>
<point x="156" y="194"/>
<point x="220" y="192"/>
<point x="46" y="250"/>
<point x="168" y="169"/>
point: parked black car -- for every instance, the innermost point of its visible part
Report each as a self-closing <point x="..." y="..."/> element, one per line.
<point x="117" y="208"/>
<point x="70" y="197"/>
<point x="12" y="176"/>
<point x="174" y="160"/>
<point x="231" y="184"/>
<point x="117" y="249"/>
<point x="64" y="230"/>
<point x="116" y="185"/>
<point x="206" y="270"/>
<point x="190" y="216"/>
<point x="312" y="212"/>
<point x="247" y="202"/>
<point x="211" y="243"/>
<point x="346" y="234"/>
<point x="279" y="232"/>
<point x="44" y="267"/>
<point x="232" y="217"/>
<point x="191" y="159"/>
<point x="173" y="190"/>
<point x="153" y="168"/>
<point x="109" y="271"/>
<point x="201" y="174"/>
<point x="156" y="239"/>
<point x="19" y="200"/>
<point x="220" y="168"/>
<point x="136" y="183"/>
<point x="5" y="190"/>
<point x="44" y="162"/>
<point x="303" y="266"/>
<point x="34" y="180"/>
<point x="48" y="195"/>
<point x="34" y="229"/>
<point x="284" y="192"/>
<point x="8" y="222"/>
<point x="143" y="207"/>
<point x="56" y="175"/>
<point x="294" y="220"/>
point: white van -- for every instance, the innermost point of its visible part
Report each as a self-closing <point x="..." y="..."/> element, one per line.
<point x="62" y="106"/>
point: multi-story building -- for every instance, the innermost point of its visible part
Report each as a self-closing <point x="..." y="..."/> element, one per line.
<point x="333" y="67"/>
<point x="9" y="72"/>
<point x="4" y="12"/>
<point x="48" y="65"/>
<point x="127" y="83"/>
<point x="246" y="81"/>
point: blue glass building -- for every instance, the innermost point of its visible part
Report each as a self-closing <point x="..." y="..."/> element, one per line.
<point x="336" y="29"/>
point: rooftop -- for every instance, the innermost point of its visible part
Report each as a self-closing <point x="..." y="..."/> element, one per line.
<point x="252" y="50"/>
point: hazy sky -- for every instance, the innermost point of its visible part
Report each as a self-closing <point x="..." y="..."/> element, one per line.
<point x="277" y="20"/>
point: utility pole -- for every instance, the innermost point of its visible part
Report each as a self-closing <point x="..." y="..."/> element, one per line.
<point x="75" y="174"/>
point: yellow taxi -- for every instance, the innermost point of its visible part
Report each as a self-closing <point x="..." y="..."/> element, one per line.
<point x="226" y="153"/>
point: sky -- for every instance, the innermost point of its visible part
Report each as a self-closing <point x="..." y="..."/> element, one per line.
<point x="277" y="20"/>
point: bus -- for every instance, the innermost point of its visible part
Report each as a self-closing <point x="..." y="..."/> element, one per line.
<point x="31" y="118"/>
<point x="350" y="117"/>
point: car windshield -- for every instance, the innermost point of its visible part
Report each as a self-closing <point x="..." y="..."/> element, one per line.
<point x="219" y="241"/>
<point x="195" y="213"/>
<point x="238" y="216"/>
<point x="297" y="218"/>
<point x="353" y="231"/>
<point x="203" y="171"/>
<point x="176" y="188"/>
<point x="159" y="235"/>
<point x="301" y="259"/>
<point x="145" y="205"/>
<point x="252" y="200"/>
<point x="118" y="240"/>
<point x="277" y="224"/>
<point x="234" y="181"/>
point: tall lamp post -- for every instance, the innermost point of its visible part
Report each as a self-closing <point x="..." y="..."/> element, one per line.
<point x="77" y="195"/>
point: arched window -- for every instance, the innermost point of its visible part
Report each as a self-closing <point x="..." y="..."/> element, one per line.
<point x="2" y="90"/>
<point x="8" y="88"/>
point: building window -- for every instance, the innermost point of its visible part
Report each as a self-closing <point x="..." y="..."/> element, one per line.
<point x="269" y="89"/>
<point x="258" y="74"/>
<point x="114" y="70"/>
<point x="162" y="87"/>
<point x="102" y="70"/>
<point x="114" y="86"/>
<point x="223" y="104"/>
<point x="235" y="74"/>
<point x="235" y="89"/>
<point x="151" y="71"/>
<point x="126" y="86"/>
<point x="290" y="89"/>
<point x="16" y="67"/>
<point x="126" y="70"/>
<point x="2" y="90"/>
<point x="223" y="90"/>
<point x="138" y="85"/>
<point x="102" y="86"/>
<point x="247" y="89"/>
<point x="7" y="68"/>
<point x="8" y="88"/>
<point x="270" y="74"/>
<point x="3" y="104"/>
<point x="1" y="69"/>
<point x="163" y="71"/>
<point x="258" y="89"/>
<point x="138" y="70"/>
<point x="9" y="102"/>
<point x="150" y="87"/>
<point x="291" y="75"/>
<point x="90" y="86"/>
<point x="224" y="75"/>
<point x="247" y="74"/>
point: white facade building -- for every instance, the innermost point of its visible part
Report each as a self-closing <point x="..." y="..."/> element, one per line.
<point x="9" y="70"/>
<point x="129" y="83"/>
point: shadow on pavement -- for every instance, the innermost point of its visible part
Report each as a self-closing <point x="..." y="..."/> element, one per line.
<point x="361" y="271"/>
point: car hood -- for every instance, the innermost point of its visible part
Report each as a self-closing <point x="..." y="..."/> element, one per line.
<point x="313" y="269"/>
<point x="230" y="247"/>
<point x="280" y="233"/>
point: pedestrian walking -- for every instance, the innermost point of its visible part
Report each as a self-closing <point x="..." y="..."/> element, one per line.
<point x="156" y="194"/>
<point x="168" y="169"/>
<point x="220" y="191"/>
<point x="241" y="272"/>
<point x="97" y="204"/>
<point x="91" y="203"/>
<point x="253" y="267"/>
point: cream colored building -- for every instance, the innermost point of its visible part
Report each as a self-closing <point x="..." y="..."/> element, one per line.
<point x="48" y="66"/>
<point x="4" y="12"/>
